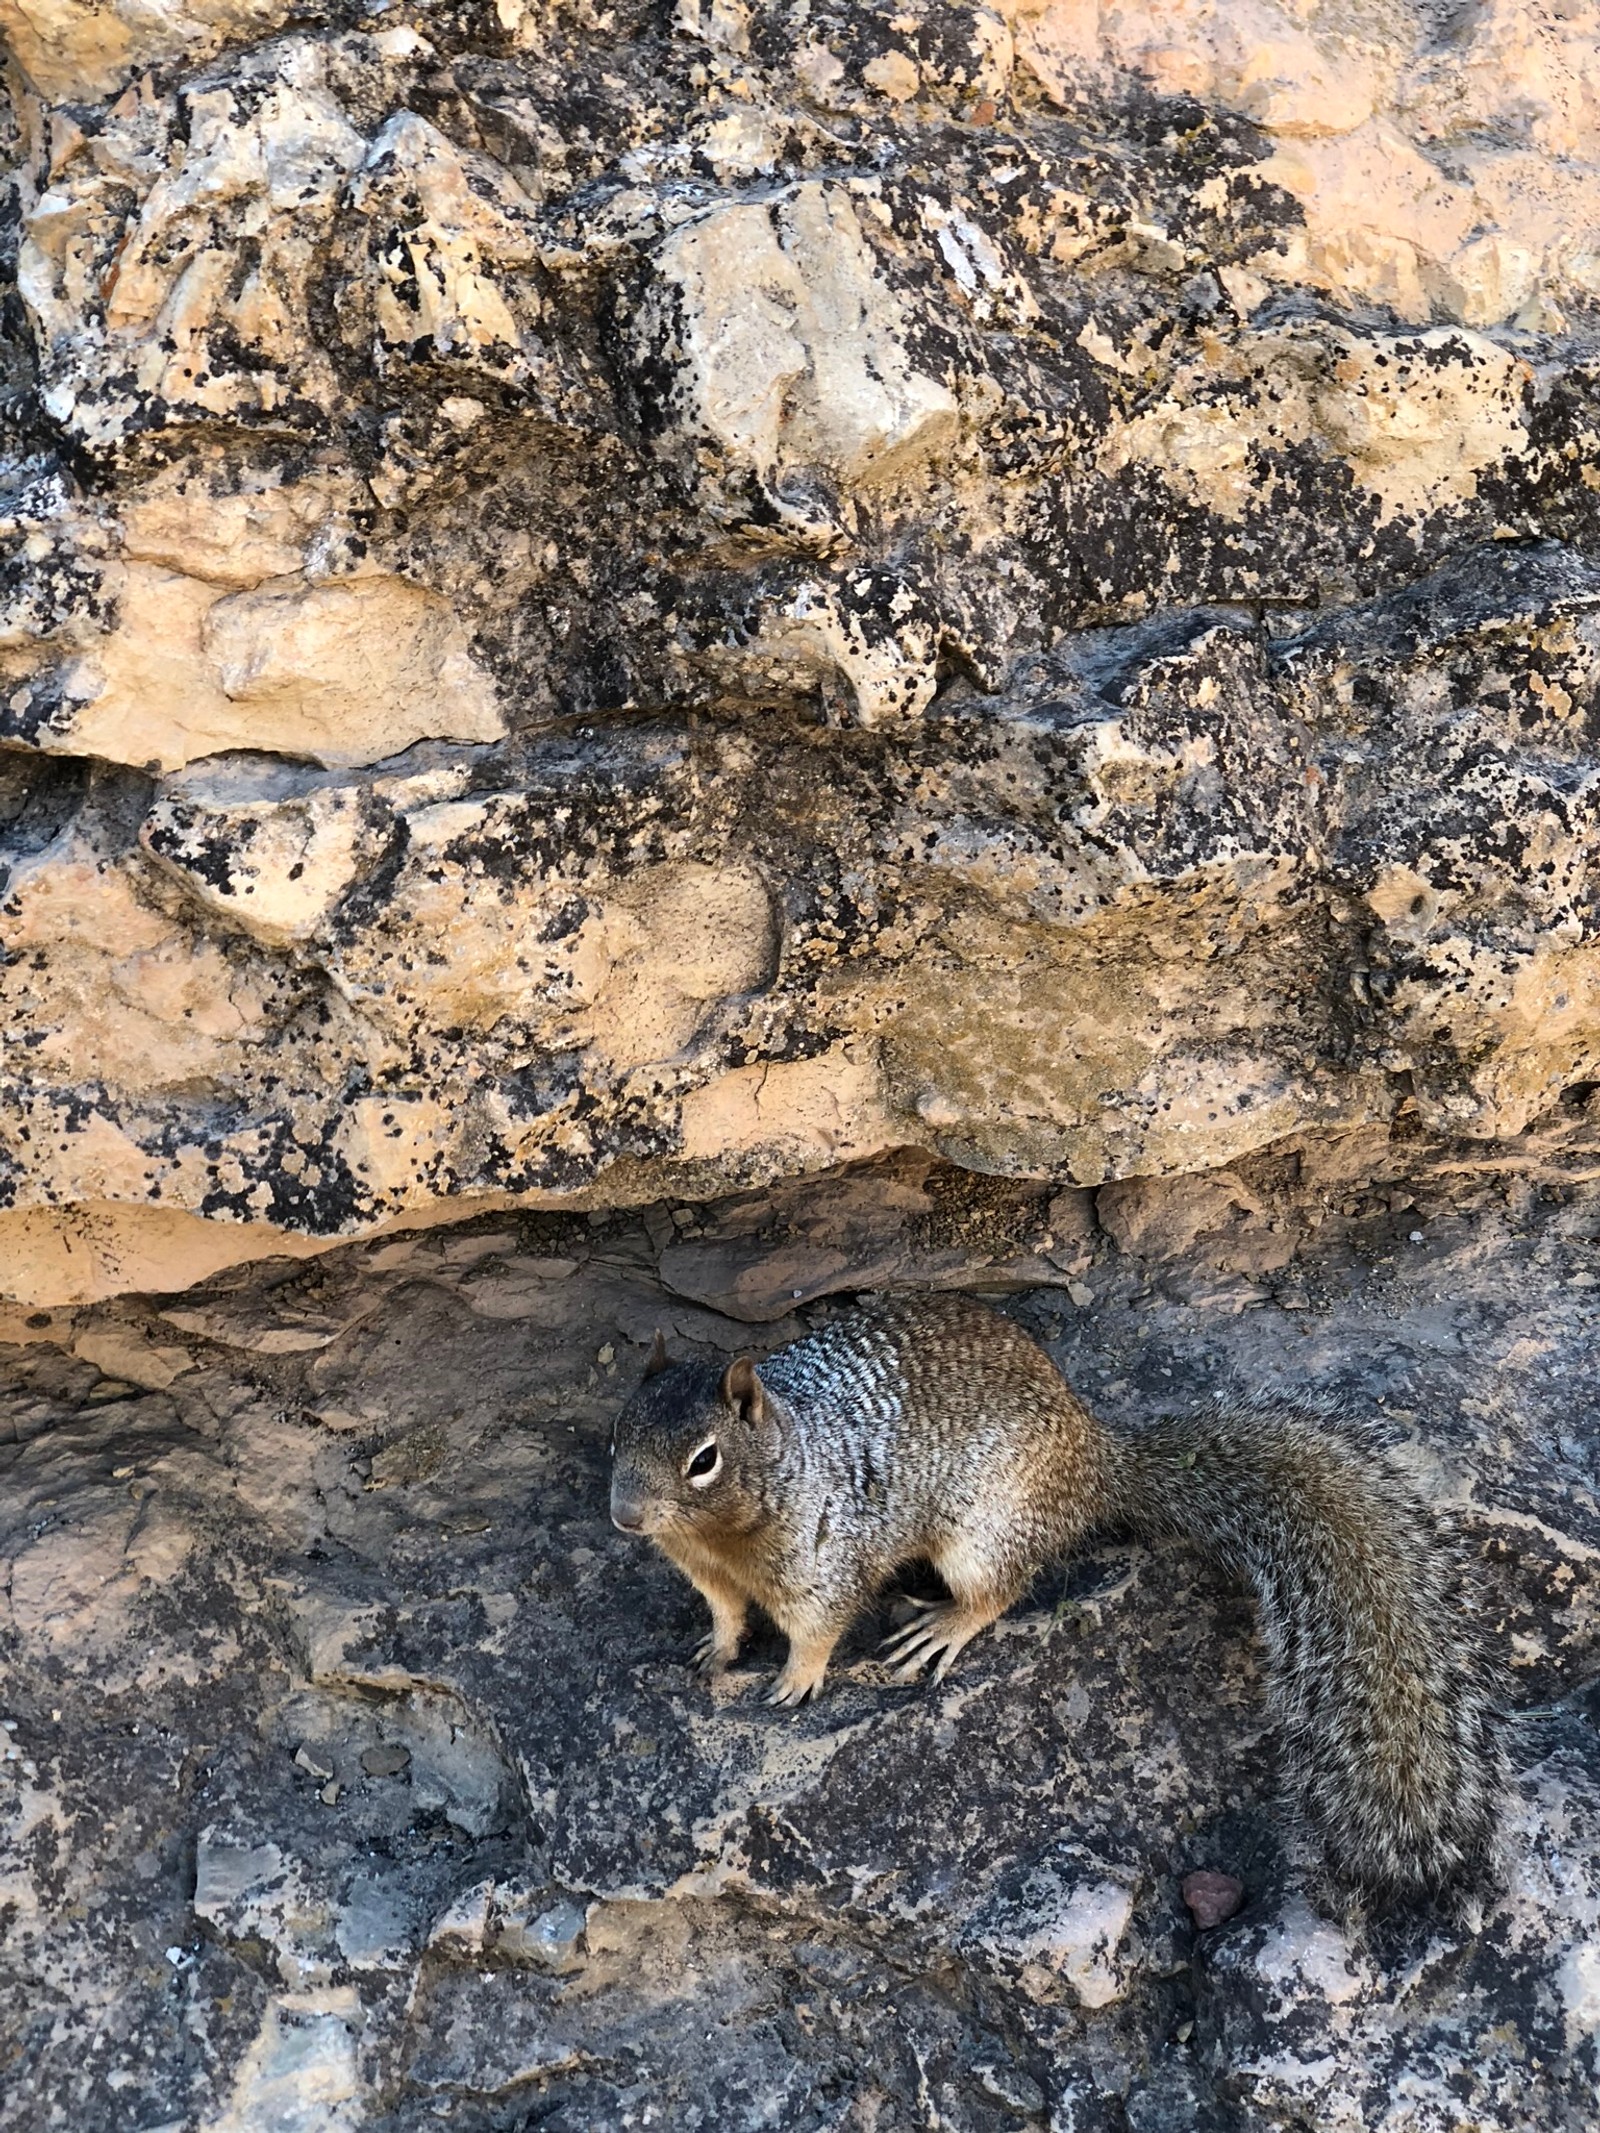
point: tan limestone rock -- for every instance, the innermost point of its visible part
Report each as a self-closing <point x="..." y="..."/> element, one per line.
<point x="131" y="997"/>
<point x="345" y="671"/>
<point x="62" y="1256"/>
<point x="145" y="692"/>
<point x="574" y="626"/>
<point x="830" y="1109"/>
<point x="78" y="49"/>
<point x="1416" y="418"/>
<point x="1358" y="107"/>
<point x="454" y="217"/>
<point x="266" y="528"/>
<point x="681" y="940"/>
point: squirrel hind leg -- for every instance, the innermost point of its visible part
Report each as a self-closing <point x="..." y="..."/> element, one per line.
<point x="940" y="1633"/>
<point x="941" y="1630"/>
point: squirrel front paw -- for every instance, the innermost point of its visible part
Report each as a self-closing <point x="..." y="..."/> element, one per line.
<point x="798" y="1683"/>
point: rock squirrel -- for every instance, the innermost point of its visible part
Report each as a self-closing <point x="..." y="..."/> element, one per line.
<point x="934" y="1429"/>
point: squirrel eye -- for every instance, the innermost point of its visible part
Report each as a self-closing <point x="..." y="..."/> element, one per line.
<point x="704" y="1463"/>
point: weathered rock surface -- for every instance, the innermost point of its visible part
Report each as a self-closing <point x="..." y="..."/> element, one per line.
<point x="782" y="649"/>
<point x="1185" y="890"/>
<point x="606" y="607"/>
<point x="355" y="1776"/>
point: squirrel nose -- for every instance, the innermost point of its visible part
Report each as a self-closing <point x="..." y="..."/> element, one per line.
<point x="628" y="1513"/>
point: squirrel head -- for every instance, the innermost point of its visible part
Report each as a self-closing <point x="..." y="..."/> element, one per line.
<point x="693" y="1448"/>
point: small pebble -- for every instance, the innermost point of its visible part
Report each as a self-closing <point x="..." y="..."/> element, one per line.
<point x="329" y="1794"/>
<point x="384" y="1761"/>
<point x="552" y="1941"/>
<point x="1211" y="1897"/>
<point x="305" y="1760"/>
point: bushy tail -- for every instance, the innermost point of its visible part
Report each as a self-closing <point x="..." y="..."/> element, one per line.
<point x="1388" y="1711"/>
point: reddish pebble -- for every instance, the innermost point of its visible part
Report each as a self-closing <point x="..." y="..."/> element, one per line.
<point x="1211" y="1897"/>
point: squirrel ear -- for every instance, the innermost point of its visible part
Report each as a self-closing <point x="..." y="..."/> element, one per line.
<point x="742" y="1390"/>
<point x="658" y="1356"/>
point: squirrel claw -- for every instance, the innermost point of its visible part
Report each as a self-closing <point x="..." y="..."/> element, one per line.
<point x="936" y="1638"/>
<point x="791" y="1695"/>
<point x="711" y="1660"/>
<point x="915" y="1644"/>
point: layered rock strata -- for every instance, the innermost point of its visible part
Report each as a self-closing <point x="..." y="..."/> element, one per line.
<point x="603" y="607"/>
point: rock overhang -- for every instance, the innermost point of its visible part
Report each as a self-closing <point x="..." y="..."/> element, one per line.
<point x="887" y="587"/>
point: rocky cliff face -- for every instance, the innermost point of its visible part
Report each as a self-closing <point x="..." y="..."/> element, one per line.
<point x="776" y="650"/>
<point x="610" y="603"/>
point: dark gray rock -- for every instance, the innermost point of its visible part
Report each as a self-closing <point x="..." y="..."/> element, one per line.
<point x="596" y="1887"/>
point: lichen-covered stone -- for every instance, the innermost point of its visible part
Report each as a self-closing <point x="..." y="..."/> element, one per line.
<point x="1183" y="890"/>
<point x="689" y="599"/>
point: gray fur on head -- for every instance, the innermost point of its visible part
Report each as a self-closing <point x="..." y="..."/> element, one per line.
<point x="692" y="1448"/>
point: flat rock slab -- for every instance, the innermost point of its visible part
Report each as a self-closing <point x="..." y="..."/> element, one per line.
<point x="355" y="1773"/>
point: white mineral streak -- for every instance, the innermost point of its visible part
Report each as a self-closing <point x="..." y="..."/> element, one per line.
<point x="1304" y="1951"/>
<point x="1067" y="1927"/>
<point x="1081" y="1942"/>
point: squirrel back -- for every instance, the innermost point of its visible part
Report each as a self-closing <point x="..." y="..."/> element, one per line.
<point x="932" y="1427"/>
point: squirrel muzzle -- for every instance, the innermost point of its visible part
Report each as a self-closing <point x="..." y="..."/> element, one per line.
<point x="633" y="1510"/>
